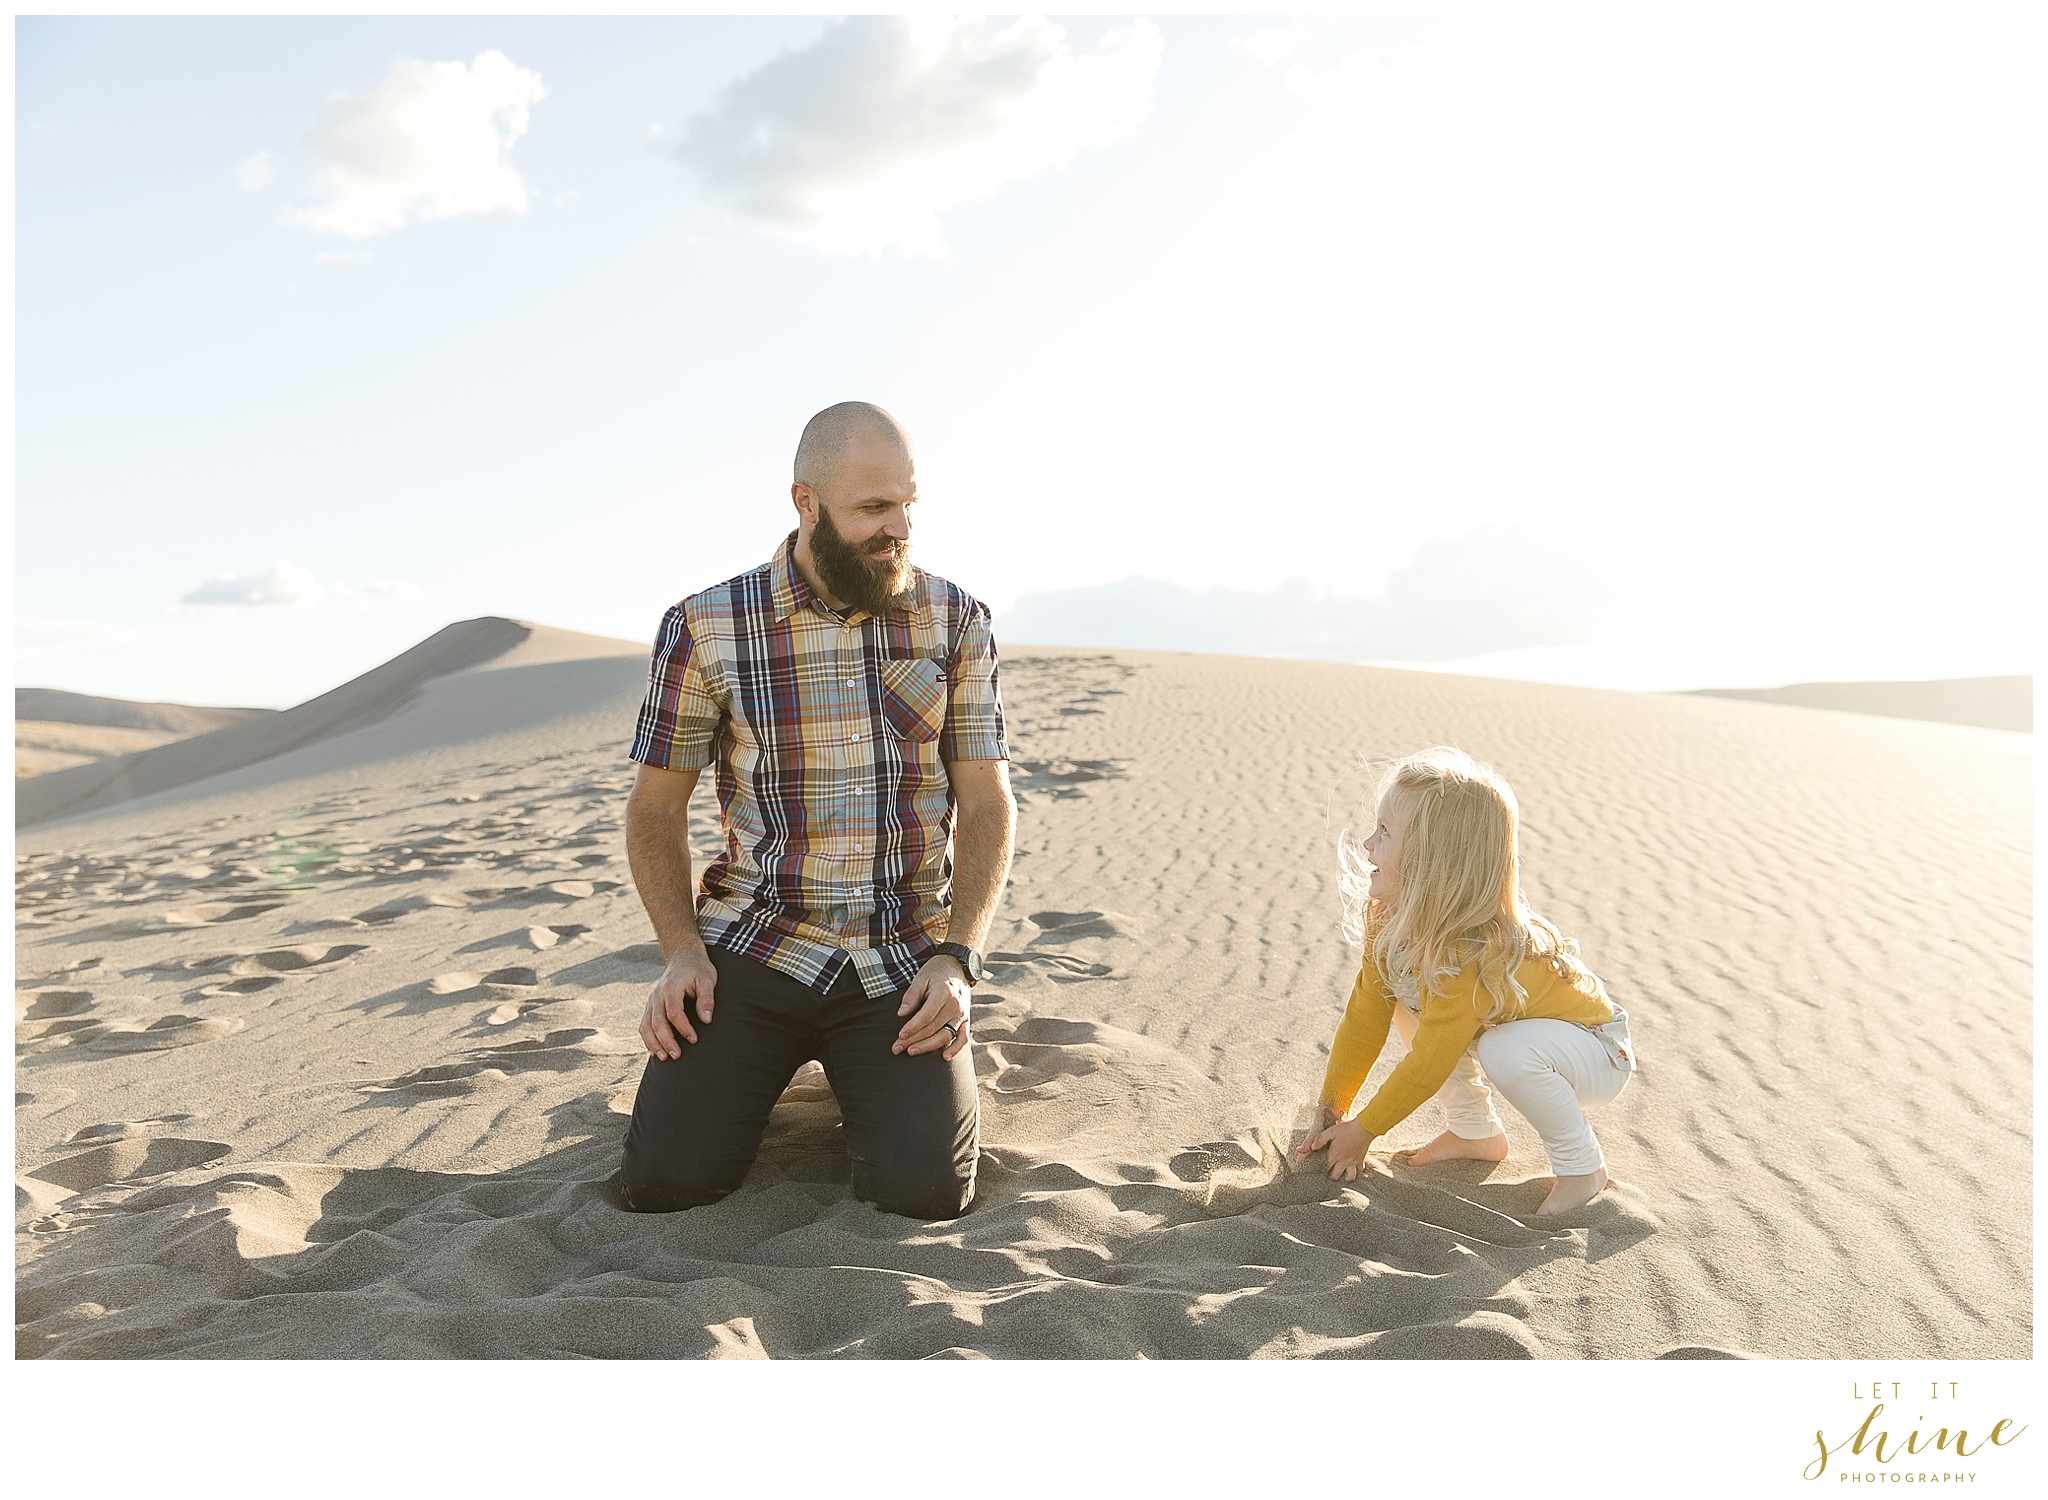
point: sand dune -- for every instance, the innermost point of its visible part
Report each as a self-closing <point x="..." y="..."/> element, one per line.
<point x="42" y="746"/>
<point x="50" y="705"/>
<point x="1988" y="702"/>
<point x="365" y="700"/>
<point x="329" y="1054"/>
<point x="55" y="730"/>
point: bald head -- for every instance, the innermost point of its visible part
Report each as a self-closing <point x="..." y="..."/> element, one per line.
<point x="829" y="434"/>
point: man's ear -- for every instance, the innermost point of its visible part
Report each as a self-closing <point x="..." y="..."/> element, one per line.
<point x="805" y="500"/>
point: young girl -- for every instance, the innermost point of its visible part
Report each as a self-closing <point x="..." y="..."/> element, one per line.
<point x="1477" y="988"/>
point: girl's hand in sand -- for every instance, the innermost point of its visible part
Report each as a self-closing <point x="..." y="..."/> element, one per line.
<point x="1347" y="1140"/>
<point x="689" y="976"/>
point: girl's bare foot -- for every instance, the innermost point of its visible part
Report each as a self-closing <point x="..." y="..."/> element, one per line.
<point x="1568" y="1193"/>
<point x="1450" y="1147"/>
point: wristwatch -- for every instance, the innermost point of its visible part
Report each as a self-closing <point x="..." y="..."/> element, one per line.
<point x="968" y="959"/>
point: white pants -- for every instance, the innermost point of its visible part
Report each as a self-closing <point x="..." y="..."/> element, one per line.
<point x="1550" y="1071"/>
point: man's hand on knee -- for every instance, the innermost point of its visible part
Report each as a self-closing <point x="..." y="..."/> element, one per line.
<point x="936" y="1003"/>
<point x="688" y="977"/>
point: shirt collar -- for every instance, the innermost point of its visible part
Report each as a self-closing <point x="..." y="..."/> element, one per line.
<point x="787" y="585"/>
<point x="790" y="592"/>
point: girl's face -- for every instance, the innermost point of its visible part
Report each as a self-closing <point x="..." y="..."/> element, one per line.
<point x="1384" y="847"/>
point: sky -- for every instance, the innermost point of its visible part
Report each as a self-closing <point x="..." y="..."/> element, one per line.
<point x="1645" y="354"/>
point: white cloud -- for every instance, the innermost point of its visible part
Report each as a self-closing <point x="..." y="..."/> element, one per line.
<point x="257" y="173"/>
<point x="1272" y="44"/>
<point x="285" y="583"/>
<point x="341" y="258"/>
<point x="380" y="589"/>
<point x="37" y="635"/>
<point x="859" y="141"/>
<point x="431" y="142"/>
<point x="1495" y="590"/>
<point x="1388" y="122"/>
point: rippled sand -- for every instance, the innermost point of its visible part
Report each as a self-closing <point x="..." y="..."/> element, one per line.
<point x="330" y="1055"/>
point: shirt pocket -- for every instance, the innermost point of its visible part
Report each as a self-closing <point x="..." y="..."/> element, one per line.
<point x="914" y="699"/>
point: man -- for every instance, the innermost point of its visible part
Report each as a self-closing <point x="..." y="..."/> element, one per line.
<point x="850" y="704"/>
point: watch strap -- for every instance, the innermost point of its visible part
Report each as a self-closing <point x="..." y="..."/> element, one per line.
<point x="967" y="958"/>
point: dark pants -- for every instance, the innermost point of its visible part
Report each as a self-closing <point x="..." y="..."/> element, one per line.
<point x="911" y="1122"/>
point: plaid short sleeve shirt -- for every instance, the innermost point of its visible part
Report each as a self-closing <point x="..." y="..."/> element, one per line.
<point x="831" y="735"/>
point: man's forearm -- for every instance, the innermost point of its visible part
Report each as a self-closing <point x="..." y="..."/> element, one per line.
<point x="982" y="842"/>
<point x="658" y="850"/>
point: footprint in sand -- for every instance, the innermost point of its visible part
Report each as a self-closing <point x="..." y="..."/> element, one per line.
<point x="294" y="960"/>
<point x="118" y="1130"/>
<point x="573" y="1036"/>
<point x="51" y="1004"/>
<point x="218" y="911"/>
<point x="258" y="971"/>
<point x="1702" y="1351"/>
<point x="546" y="937"/>
<point x="237" y="987"/>
<point x="558" y="1051"/>
<point x="556" y="1013"/>
<point x="1061" y="968"/>
<point x="446" y="1081"/>
<point x="63" y="1031"/>
<point x="1200" y="1163"/>
<point x="498" y="984"/>
<point x="1053" y="966"/>
<point x="69" y="974"/>
<point x="558" y="891"/>
<point x="1067" y="926"/>
<point x="164" y="1033"/>
<point x="391" y="911"/>
<point x="642" y="963"/>
<point x="46" y="1099"/>
<point x="1039" y="1052"/>
<point x="1060" y="778"/>
<point x="118" y="1161"/>
<point x="1059" y="929"/>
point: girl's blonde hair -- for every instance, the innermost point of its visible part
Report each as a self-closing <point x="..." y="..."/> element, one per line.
<point x="1460" y="889"/>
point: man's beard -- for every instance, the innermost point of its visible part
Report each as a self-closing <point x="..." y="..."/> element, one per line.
<point x="875" y="581"/>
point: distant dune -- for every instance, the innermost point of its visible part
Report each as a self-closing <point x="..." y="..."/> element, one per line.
<point x="55" y="730"/>
<point x="41" y="746"/>
<point x="256" y="735"/>
<point x="328" y="1054"/>
<point x="52" y="706"/>
<point x="1986" y="702"/>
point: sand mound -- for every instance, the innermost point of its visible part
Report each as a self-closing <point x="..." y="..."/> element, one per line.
<point x="54" y="731"/>
<point x="331" y="1054"/>
<point x="83" y="710"/>
<point x="1072" y="1248"/>
<point x="365" y="700"/>
<point x="1988" y="702"/>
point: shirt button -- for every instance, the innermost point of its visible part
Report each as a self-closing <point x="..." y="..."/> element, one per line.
<point x="852" y="737"/>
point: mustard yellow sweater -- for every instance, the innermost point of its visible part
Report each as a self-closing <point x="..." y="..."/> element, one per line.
<point x="1448" y="1023"/>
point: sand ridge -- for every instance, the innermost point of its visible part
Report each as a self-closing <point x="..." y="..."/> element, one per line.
<point x="414" y="963"/>
<point x="489" y="643"/>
